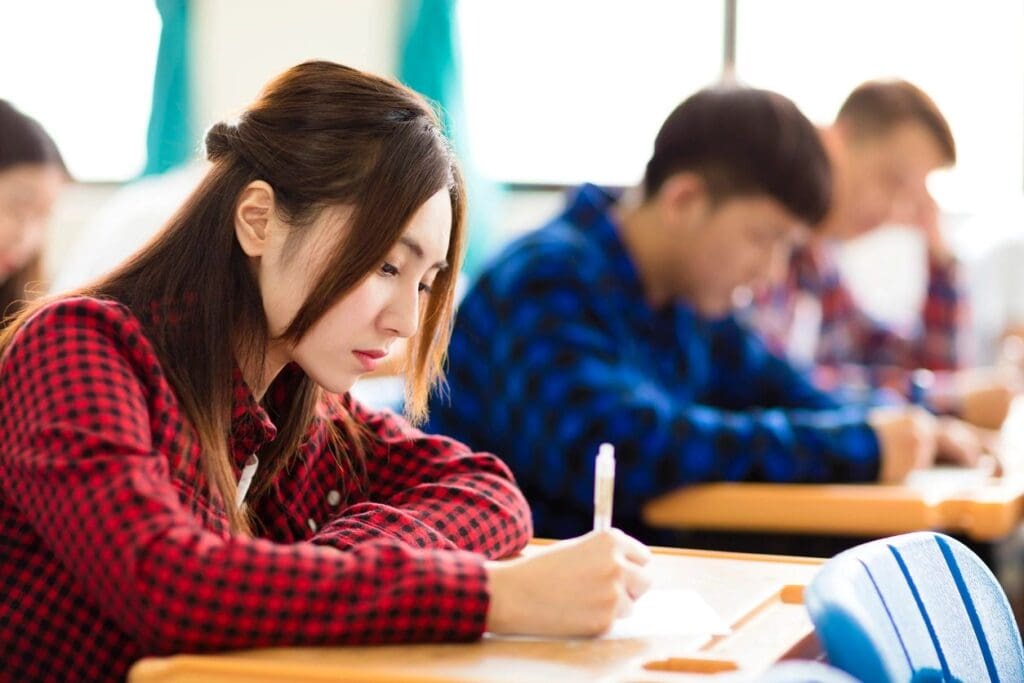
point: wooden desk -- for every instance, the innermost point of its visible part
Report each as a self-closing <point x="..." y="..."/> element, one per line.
<point x="758" y="595"/>
<point x="981" y="508"/>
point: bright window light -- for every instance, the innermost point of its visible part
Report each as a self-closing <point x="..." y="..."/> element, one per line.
<point x="575" y="90"/>
<point x="968" y="56"/>
<point x="84" y="70"/>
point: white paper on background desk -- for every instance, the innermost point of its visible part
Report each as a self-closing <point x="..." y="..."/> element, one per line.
<point x="669" y="612"/>
<point x="947" y="479"/>
<point x="659" y="613"/>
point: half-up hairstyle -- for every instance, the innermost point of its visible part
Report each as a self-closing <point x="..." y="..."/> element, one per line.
<point x="320" y="135"/>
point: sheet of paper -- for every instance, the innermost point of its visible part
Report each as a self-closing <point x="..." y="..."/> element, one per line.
<point x="669" y="612"/>
<point x="659" y="613"/>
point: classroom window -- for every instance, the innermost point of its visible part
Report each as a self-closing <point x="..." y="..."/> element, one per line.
<point x="561" y="92"/>
<point x="968" y="56"/>
<point x="84" y="70"/>
<point x="570" y="91"/>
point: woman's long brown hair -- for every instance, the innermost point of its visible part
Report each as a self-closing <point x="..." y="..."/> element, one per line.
<point x="320" y="134"/>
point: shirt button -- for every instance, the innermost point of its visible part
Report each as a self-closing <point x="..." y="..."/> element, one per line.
<point x="333" y="498"/>
<point x="311" y="523"/>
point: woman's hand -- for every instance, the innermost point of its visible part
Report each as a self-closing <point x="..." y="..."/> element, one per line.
<point x="576" y="587"/>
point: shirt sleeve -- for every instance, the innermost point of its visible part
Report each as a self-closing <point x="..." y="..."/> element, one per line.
<point x="748" y="375"/>
<point x="77" y="460"/>
<point x="423" y="490"/>
<point x="880" y="357"/>
<point x="945" y="315"/>
<point x="582" y="389"/>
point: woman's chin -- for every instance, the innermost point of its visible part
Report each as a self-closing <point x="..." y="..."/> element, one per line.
<point x="334" y="383"/>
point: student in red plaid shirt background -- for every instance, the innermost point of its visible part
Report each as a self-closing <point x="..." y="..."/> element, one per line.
<point x="887" y="138"/>
<point x="182" y="467"/>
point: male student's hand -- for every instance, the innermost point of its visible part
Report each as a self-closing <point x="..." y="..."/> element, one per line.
<point x="570" y="588"/>
<point x="959" y="443"/>
<point x="907" y="440"/>
<point x="984" y="396"/>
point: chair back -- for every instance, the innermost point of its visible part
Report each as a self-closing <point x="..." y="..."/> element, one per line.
<point x="915" y="607"/>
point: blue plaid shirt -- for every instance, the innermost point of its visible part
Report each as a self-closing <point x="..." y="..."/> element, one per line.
<point x="556" y="350"/>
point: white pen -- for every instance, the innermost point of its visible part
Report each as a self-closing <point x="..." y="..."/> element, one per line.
<point x="604" y="486"/>
<point x="248" y="472"/>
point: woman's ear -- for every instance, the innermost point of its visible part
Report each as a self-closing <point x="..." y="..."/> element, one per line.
<point x="253" y="212"/>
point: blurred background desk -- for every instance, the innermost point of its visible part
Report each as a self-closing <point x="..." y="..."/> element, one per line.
<point x="759" y="596"/>
<point x="822" y="519"/>
<point x="966" y="503"/>
<point x="969" y="503"/>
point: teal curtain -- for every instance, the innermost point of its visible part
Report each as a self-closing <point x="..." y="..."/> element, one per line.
<point x="170" y="139"/>
<point x="430" y="63"/>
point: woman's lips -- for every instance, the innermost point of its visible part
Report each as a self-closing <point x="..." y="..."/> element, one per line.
<point x="369" y="359"/>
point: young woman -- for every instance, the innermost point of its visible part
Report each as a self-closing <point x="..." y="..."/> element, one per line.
<point x="32" y="174"/>
<point x="181" y="468"/>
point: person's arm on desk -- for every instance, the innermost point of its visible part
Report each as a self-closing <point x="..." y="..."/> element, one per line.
<point x="664" y="441"/>
<point x="158" y="574"/>
<point x="892" y="355"/>
<point x="426" y="490"/>
<point x="982" y="396"/>
<point x="906" y="440"/>
<point x="572" y="588"/>
<point x="909" y="437"/>
<point x="135" y="537"/>
<point x="861" y="351"/>
<point x="979" y="396"/>
<point x="882" y="358"/>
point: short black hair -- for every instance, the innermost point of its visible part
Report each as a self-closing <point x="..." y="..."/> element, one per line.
<point x="745" y="141"/>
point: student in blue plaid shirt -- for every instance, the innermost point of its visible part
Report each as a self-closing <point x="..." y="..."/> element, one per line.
<point x="614" y="322"/>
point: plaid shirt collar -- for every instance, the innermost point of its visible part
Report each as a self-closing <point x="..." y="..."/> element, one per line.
<point x="590" y="211"/>
<point x="251" y="424"/>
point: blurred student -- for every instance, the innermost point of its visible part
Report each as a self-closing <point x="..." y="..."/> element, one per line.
<point x="887" y="138"/>
<point x="181" y="468"/>
<point x="614" y="322"/>
<point x="126" y="221"/>
<point x="32" y="175"/>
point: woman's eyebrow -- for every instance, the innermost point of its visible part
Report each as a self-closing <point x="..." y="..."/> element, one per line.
<point x="416" y="249"/>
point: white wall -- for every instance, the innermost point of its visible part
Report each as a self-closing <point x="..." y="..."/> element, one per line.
<point x="241" y="44"/>
<point x="238" y="46"/>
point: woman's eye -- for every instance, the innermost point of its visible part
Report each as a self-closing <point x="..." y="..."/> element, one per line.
<point x="389" y="270"/>
<point x="425" y="288"/>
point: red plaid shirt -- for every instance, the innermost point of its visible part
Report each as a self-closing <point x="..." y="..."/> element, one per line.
<point x="851" y="347"/>
<point x="112" y="550"/>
